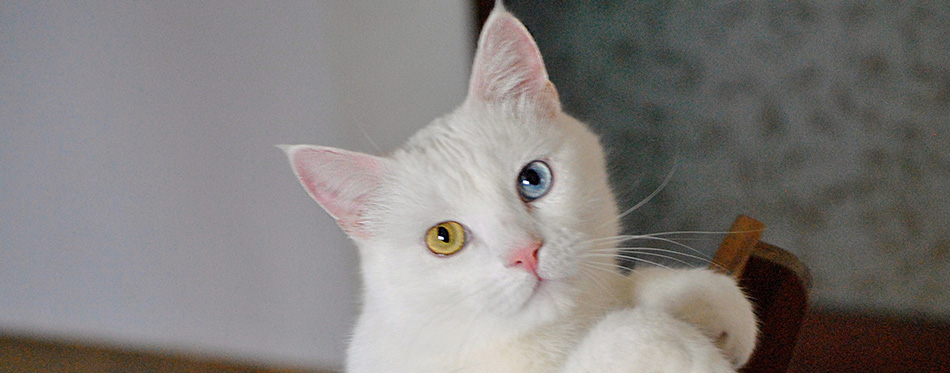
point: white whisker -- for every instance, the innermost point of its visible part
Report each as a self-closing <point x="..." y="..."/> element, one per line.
<point x="650" y="197"/>
<point x="680" y="244"/>
<point x="613" y="269"/>
<point x="626" y="237"/>
<point x="593" y="278"/>
<point x="636" y="259"/>
<point x="630" y="257"/>
<point x="701" y="255"/>
<point x="671" y="252"/>
<point x="647" y="251"/>
<point x="701" y="232"/>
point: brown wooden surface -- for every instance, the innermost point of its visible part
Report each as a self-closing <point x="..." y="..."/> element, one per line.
<point x="23" y="354"/>
<point x="737" y="246"/>
<point x="852" y="341"/>
<point x="776" y="282"/>
<point x="780" y="298"/>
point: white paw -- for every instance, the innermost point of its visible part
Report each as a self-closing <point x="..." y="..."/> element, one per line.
<point x="710" y="301"/>
<point x="731" y="323"/>
<point x="645" y="340"/>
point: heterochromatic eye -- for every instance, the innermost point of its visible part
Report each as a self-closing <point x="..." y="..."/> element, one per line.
<point x="534" y="181"/>
<point x="446" y="238"/>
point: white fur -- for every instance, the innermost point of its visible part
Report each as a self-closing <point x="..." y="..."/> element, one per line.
<point x="662" y="344"/>
<point x="470" y="311"/>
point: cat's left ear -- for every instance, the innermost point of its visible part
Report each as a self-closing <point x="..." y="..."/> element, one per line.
<point x="342" y="182"/>
<point x="508" y="67"/>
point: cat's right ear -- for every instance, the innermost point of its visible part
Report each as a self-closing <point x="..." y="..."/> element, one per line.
<point x="342" y="182"/>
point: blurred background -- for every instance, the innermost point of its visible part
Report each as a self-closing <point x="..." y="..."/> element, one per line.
<point x="142" y="200"/>
<point x="143" y="206"/>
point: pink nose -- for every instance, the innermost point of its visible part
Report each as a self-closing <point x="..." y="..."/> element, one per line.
<point x="526" y="257"/>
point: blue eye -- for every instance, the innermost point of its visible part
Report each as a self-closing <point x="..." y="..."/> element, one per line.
<point x="534" y="181"/>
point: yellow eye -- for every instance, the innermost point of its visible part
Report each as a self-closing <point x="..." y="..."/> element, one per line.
<point x="446" y="238"/>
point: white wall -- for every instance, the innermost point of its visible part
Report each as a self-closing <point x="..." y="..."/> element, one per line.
<point x="141" y="198"/>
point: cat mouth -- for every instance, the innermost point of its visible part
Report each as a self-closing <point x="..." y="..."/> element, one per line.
<point x="538" y="283"/>
<point x="537" y="291"/>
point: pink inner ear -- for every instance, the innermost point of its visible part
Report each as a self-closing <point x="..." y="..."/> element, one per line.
<point x="307" y="163"/>
<point x="341" y="182"/>
<point x="508" y="65"/>
<point x="507" y="52"/>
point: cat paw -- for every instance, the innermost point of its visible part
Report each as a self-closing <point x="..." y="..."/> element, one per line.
<point x="734" y="330"/>
<point x="645" y="340"/>
<point x="710" y="301"/>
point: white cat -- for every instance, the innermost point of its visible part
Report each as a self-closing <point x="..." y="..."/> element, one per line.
<point x="487" y="243"/>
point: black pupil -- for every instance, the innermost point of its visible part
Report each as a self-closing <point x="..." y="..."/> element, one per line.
<point x="530" y="177"/>
<point x="443" y="234"/>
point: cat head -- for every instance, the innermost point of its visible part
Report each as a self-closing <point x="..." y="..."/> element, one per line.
<point x="491" y="210"/>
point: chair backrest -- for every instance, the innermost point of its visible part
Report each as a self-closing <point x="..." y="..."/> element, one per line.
<point x="776" y="282"/>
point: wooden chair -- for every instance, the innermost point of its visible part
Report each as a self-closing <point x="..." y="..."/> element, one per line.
<point x="776" y="282"/>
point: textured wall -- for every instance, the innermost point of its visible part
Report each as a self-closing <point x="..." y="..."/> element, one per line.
<point x="827" y="120"/>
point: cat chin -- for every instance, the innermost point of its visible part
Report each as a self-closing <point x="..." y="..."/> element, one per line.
<point x="548" y="301"/>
